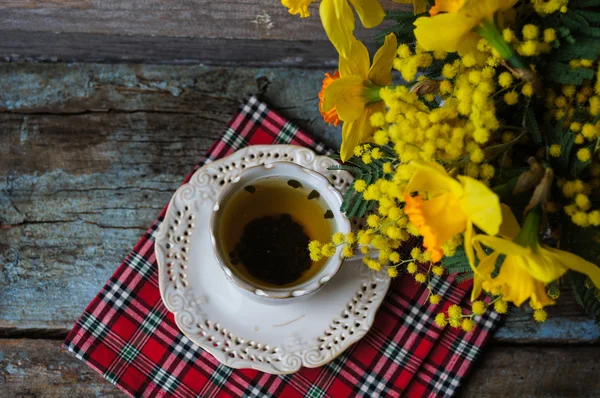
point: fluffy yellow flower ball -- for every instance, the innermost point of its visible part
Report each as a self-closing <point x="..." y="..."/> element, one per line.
<point x="530" y="32"/>
<point x="582" y="201"/>
<point x="478" y="307"/>
<point x="328" y="250"/>
<point x="501" y="307"/>
<point x="555" y="150"/>
<point x="411" y="268"/>
<point x="421" y="278"/>
<point x="434" y="299"/>
<point x="360" y="185"/>
<point x="347" y="252"/>
<point x="540" y="315"/>
<point x="454" y="311"/>
<point x="511" y="98"/>
<point x="467" y="325"/>
<point x="594" y="218"/>
<point x="440" y="320"/>
<point x="549" y="35"/>
<point x="584" y="155"/>
<point x="505" y="79"/>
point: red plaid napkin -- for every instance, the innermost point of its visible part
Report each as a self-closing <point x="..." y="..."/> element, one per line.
<point x="127" y="335"/>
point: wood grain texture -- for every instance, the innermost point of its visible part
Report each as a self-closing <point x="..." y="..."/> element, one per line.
<point x="235" y="32"/>
<point x="91" y="47"/>
<point x="90" y="154"/>
<point x="41" y="369"/>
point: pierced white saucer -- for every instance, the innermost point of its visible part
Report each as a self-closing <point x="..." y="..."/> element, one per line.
<point x="243" y="333"/>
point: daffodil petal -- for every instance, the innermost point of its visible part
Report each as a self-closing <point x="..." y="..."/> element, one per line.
<point x="443" y="32"/>
<point x="346" y="95"/>
<point x="357" y="63"/>
<point x="350" y="139"/>
<point x="501" y="245"/>
<point x="468" y="244"/>
<point x="576" y="263"/>
<point x="483" y="271"/>
<point x="367" y="130"/>
<point x="381" y="71"/>
<point x="338" y="21"/>
<point x="431" y="177"/>
<point x="420" y="6"/>
<point x="509" y="228"/>
<point x="370" y="12"/>
<point x="543" y="266"/>
<point x="298" y="7"/>
<point x="481" y="204"/>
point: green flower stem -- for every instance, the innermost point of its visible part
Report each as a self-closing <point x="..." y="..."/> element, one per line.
<point x="371" y="93"/>
<point x="489" y="31"/>
<point x="529" y="235"/>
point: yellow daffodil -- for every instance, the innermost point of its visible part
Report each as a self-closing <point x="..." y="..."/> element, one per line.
<point x="452" y="24"/>
<point x="528" y="265"/>
<point x="338" y="19"/>
<point x="354" y="96"/>
<point x="451" y="207"/>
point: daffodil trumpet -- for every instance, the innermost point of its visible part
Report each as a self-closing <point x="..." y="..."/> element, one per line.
<point x="455" y="25"/>
<point x="352" y="96"/>
<point x="528" y="265"/>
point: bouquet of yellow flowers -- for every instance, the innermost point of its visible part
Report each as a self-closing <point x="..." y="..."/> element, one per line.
<point x="485" y="145"/>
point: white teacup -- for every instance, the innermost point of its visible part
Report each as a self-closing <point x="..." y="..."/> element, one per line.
<point x="330" y="197"/>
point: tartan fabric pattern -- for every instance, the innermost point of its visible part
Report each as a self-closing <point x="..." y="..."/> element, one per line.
<point x="127" y="335"/>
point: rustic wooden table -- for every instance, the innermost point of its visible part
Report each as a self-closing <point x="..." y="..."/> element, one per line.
<point x="105" y="105"/>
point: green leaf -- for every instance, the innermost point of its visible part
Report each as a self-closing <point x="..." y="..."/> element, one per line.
<point x="592" y="17"/>
<point x="580" y="25"/>
<point x="586" y="294"/>
<point x="532" y="126"/>
<point x="467" y="276"/>
<point x="351" y="169"/>
<point x="583" y="47"/>
<point x="358" y="204"/>
<point x="562" y="73"/>
<point x="403" y="29"/>
<point x="456" y="264"/>
<point x="348" y="196"/>
<point x="566" y="145"/>
<point x="399" y="15"/>
<point x="573" y="4"/>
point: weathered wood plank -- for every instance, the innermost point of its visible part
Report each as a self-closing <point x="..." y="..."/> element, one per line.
<point x="89" y="155"/>
<point x="40" y="368"/>
<point x="93" y="47"/>
<point x="532" y="371"/>
<point x="248" y="32"/>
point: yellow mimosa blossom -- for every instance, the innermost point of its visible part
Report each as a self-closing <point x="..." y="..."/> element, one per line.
<point x="451" y="207"/>
<point x="354" y="95"/>
<point x="452" y="23"/>
<point x="528" y="265"/>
